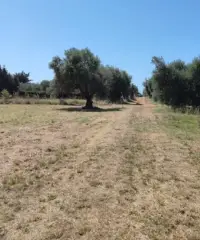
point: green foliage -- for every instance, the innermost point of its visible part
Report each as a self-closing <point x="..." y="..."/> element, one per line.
<point x="29" y="87"/>
<point x="44" y="85"/>
<point x="11" y="82"/>
<point x="5" y="94"/>
<point x="7" y="81"/>
<point x="22" y="77"/>
<point x="193" y="74"/>
<point x="81" y="69"/>
<point x="78" y="74"/>
<point x="52" y="90"/>
<point x="133" y="91"/>
<point x="176" y="84"/>
<point x="78" y="69"/>
<point x="118" y="83"/>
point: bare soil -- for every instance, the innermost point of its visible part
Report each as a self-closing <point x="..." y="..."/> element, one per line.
<point x="113" y="174"/>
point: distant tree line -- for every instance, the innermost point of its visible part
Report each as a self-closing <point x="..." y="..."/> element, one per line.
<point x="11" y="82"/>
<point x="78" y="74"/>
<point x="41" y="90"/>
<point x="176" y="83"/>
<point x="82" y="70"/>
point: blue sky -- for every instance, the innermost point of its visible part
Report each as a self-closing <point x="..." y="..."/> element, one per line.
<point x="123" y="33"/>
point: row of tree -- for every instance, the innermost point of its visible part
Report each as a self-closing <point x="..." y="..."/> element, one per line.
<point x="42" y="89"/>
<point x="11" y="82"/>
<point x="20" y="83"/>
<point x="176" y="83"/>
<point x="81" y="70"/>
<point x="79" y="73"/>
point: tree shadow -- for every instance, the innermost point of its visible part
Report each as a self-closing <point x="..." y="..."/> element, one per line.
<point x="95" y="109"/>
<point x="134" y="103"/>
<point x="138" y="104"/>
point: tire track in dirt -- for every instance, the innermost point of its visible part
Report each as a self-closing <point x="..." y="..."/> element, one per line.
<point x="74" y="188"/>
<point x="91" y="189"/>
<point x="93" y="196"/>
<point x="125" y="178"/>
<point x="165" y="202"/>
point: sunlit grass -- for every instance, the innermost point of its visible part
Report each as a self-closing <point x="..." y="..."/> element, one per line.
<point x="182" y="125"/>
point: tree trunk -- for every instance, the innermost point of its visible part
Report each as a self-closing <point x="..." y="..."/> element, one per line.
<point x="89" y="103"/>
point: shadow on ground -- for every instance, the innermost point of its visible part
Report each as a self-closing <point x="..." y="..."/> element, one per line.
<point x="133" y="103"/>
<point x="138" y="104"/>
<point x="96" y="109"/>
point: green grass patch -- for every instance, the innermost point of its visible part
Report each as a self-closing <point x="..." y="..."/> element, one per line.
<point x="84" y="119"/>
<point x="185" y="126"/>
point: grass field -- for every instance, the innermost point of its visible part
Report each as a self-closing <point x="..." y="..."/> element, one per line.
<point x="119" y="173"/>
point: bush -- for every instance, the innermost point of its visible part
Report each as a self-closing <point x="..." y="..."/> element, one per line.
<point x="5" y="95"/>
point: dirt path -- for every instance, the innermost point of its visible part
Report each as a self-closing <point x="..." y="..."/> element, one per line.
<point x="116" y="176"/>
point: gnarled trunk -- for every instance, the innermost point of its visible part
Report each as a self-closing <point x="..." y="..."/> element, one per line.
<point x="89" y="102"/>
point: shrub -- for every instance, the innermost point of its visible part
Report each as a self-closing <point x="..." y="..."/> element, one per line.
<point x="5" y="95"/>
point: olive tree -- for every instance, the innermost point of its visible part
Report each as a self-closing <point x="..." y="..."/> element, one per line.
<point x="79" y="69"/>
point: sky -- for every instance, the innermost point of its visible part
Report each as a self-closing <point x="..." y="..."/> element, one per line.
<point x="123" y="33"/>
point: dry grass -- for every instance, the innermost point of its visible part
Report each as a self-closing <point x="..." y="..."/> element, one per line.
<point x="96" y="175"/>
